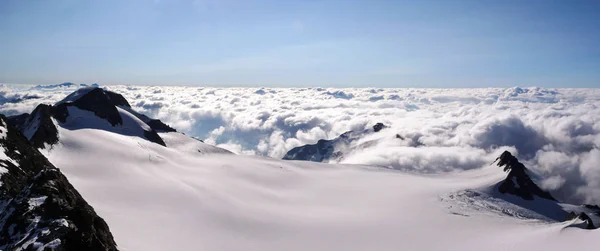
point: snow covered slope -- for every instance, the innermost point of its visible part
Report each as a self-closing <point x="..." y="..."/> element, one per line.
<point x="161" y="198"/>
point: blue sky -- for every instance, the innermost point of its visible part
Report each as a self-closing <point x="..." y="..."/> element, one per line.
<point x="388" y="43"/>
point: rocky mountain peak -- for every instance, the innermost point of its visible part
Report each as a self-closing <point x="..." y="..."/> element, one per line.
<point x="98" y="101"/>
<point x="518" y="182"/>
<point x="112" y="107"/>
<point x="325" y="150"/>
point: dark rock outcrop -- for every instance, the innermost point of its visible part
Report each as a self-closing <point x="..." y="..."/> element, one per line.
<point x="39" y="208"/>
<point x="159" y="126"/>
<point x="518" y="181"/>
<point x="325" y="150"/>
<point x="97" y="101"/>
<point x="318" y="152"/>
<point x="152" y="136"/>
<point x="117" y="99"/>
<point x="39" y="128"/>
<point x="378" y="127"/>
<point x="584" y="217"/>
<point x="18" y="120"/>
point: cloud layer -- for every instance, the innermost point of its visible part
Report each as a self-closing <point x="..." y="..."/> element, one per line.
<point x="555" y="132"/>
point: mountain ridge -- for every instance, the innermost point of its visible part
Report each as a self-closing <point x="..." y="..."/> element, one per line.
<point x="40" y="209"/>
<point x="40" y="129"/>
<point x="325" y="150"/>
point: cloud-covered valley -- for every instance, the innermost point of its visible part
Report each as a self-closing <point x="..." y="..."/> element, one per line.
<point x="555" y="132"/>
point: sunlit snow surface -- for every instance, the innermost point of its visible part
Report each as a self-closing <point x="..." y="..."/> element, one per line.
<point x="157" y="198"/>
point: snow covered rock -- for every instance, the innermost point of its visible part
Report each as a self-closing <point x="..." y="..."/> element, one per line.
<point x="39" y="208"/>
<point x="517" y="196"/>
<point x="89" y="107"/>
<point x="326" y="150"/>
<point x="38" y="127"/>
<point x="318" y="152"/>
<point x="586" y="220"/>
<point x="97" y="101"/>
<point x="518" y="181"/>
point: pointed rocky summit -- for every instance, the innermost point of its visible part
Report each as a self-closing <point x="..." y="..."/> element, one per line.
<point x="518" y="181"/>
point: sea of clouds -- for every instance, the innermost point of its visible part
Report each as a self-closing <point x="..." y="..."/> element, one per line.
<point x="555" y="132"/>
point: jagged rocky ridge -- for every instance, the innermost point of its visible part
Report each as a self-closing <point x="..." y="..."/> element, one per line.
<point x="40" y="129"/>
<point x="519" y="183"/>
<point x="325" y="150"/>
<point x="39" y="208"/>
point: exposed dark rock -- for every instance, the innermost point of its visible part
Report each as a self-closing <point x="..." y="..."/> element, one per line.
<point x="588" y="220"/>
<point x="39" y="208"/>
<point x="378" y="127"/>
<point x="572" y="216"/>
<point x="40" y="129"/>
<point x="325" y="150"/>
<point x="117" y="99"/>
<point x="153" y="137"/>
<point x="399" y="137"/>
<point x="98" y="102"/>
<point x="318" y="152"/>
<point x="18" y="120"/>
<point x="584" y="217"/>
<point x="518" y="181"/>
<point x="61" y="112"/>
<point x="159" y="126"/>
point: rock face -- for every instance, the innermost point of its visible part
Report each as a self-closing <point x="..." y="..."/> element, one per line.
<point x="39" y="208"/>
<point x="41" y="130"/>
<point x="589" y="224"/>
<point x="98" y="102"/>
<point x="378" y="127"/>
<point x="325" y="150"/>
<point x="18" y="120"/>
<point x="518" y="181"/>
<point x="159" y="126"/>
<point x="319" y="152"/>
